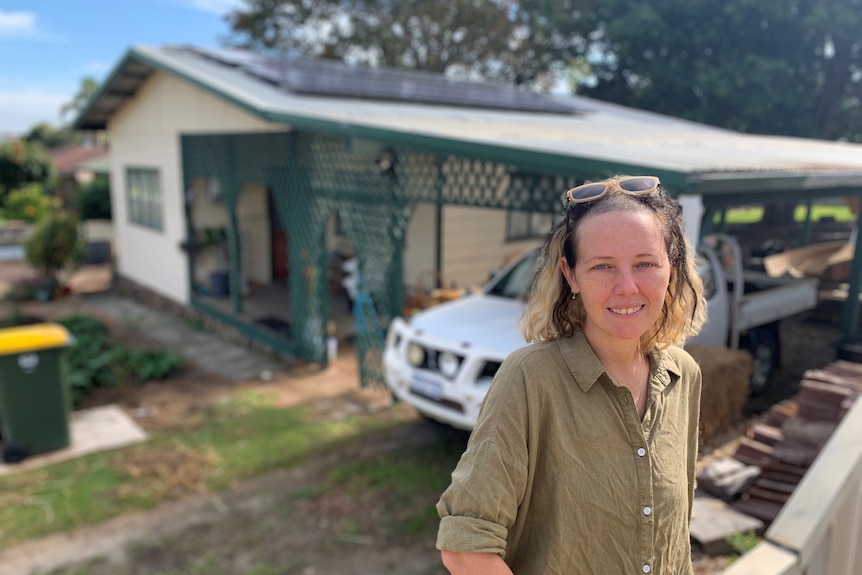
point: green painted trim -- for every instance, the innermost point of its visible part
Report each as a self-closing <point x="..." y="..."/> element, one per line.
<point x="246" y="329"/>
<point x="187" y="214"/>
<point x="438" y="240"/>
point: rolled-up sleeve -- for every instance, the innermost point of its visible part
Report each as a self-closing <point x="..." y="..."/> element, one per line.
<point x="489" y="482"/>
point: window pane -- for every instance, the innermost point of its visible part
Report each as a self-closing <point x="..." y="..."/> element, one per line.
<point x="144" y="197"/>
<point x="518" y="225"/>
<point x="540" y="224"/>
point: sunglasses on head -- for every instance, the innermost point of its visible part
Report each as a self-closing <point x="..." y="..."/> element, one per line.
<point x="634" y="186"/>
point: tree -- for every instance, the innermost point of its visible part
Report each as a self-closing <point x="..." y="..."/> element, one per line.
<point x="54" y="244"/>
<point x="53" y="137"/>
<point x="766" y="66"/>
<point x="465" y="38"/>
<point x="22" y="163"/>
<point x="87" y="89"/>
<point x="791" y="67"/>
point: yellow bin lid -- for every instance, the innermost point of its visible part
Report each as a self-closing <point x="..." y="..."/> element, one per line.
<point x="26" y="338"/>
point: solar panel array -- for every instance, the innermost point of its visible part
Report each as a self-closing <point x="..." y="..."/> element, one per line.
<point x="337" y="79"/>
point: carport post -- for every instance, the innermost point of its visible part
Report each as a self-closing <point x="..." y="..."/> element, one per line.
<point x="806" y="231"/>
<point x="850" y="316"/>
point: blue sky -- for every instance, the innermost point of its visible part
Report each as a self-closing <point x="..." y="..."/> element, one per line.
<point x="48" y="46"/>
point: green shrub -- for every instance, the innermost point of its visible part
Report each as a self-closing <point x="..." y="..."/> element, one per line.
<point x="94" y="201"/>
<point x="89" y="357"/>
<point x="743" y="542"/>
<point x="29" y="203"/>
<point x="55" y="243"/>
<point x="97" y="362"/>
<point x="146" y="364"/>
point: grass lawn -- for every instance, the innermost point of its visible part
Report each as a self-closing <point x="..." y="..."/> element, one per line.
<point x="753" y="214"/>
<point x="238" y="438"/>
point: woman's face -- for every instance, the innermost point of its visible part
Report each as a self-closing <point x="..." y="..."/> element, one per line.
<point x="621" y="275"/>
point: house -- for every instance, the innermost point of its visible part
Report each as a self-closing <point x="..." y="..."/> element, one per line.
<point x="241" y="182"/>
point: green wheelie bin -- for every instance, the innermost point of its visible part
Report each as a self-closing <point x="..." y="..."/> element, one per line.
<point x="34" y="396"/>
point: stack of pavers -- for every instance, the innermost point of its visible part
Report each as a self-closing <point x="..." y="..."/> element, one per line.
<point x="776" y="452"/>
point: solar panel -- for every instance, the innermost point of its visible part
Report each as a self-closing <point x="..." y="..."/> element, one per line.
<point x="331" y="78"/>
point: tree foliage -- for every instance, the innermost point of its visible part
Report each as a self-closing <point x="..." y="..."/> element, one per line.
<point x="783" y="67"/>
<point x="86" y="90"/>
<point x="52" y="137"/>
<point x="790" y="67"/>
<point x="22" y="163"/>
<point x="94" y="200"/>
<point x="54" y="244"/>
<point x="29" y="203"/>
<point x="463" y="38"/>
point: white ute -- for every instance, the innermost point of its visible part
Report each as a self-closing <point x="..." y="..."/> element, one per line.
<point x="443" y="359"/>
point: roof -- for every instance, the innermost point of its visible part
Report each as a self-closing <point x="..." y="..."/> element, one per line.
<point x="575" y="135"/>
<point x="68" y="159"/>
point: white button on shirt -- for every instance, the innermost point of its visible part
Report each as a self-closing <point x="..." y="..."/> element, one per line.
<point x="641" y="451"/>
<point x="647" y="510"/>
<point x="646" y="568"/>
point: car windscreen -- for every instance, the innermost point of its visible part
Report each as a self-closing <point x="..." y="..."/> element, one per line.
<point x="515" y="282"/>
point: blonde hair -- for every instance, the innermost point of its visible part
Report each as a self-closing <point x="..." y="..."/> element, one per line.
<point x="551" y="311"/>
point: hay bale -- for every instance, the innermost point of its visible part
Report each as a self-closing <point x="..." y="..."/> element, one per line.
<point x="726" y="387"/>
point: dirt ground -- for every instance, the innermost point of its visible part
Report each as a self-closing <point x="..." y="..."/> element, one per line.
<point x="261" y="523"/>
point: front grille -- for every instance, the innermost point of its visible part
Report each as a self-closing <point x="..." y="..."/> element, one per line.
<point x="453" y="405"/>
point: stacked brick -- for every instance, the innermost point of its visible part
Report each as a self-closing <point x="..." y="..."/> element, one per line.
<point x="775" y="453"/>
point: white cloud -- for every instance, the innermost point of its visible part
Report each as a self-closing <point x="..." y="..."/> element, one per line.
<point x="21" y="110"/>
<point x="17" y="23"/>
<point x="220" y="7"/>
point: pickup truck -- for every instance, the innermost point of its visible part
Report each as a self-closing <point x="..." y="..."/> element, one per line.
<point x="442" y="360"/>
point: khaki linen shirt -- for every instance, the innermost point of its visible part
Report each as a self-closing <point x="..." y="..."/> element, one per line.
<point x="561" y="476"/>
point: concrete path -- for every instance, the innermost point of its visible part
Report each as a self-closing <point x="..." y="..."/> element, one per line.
<point x="207" y="350"/>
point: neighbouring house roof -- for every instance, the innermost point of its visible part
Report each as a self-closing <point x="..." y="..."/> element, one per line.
<point x="572" y="135"/>
<point x="68" y="159"/>
<point x="100" y="165"/>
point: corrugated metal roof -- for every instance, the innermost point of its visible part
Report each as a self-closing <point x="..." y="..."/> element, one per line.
<point x="707" y="159"/>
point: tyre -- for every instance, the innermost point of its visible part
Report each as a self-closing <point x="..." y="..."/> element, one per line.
<point x="763" y="344"/>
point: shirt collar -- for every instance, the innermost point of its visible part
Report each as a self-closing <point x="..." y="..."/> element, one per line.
<point x="586" y="368"/>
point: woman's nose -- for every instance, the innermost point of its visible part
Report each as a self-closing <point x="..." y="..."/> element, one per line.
<point x="625" y="283"/>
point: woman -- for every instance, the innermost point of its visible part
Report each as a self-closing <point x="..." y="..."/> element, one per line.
<point x="583" y="458"/>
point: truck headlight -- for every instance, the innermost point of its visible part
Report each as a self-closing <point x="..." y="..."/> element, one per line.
<point x="448" y="363"/>
<point x="415" y="354"/>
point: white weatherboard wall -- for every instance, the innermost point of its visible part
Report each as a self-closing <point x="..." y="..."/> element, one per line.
<point x="145" y="133"/>
<point x="420" y="244"/>
<point x="474" y="245"/>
